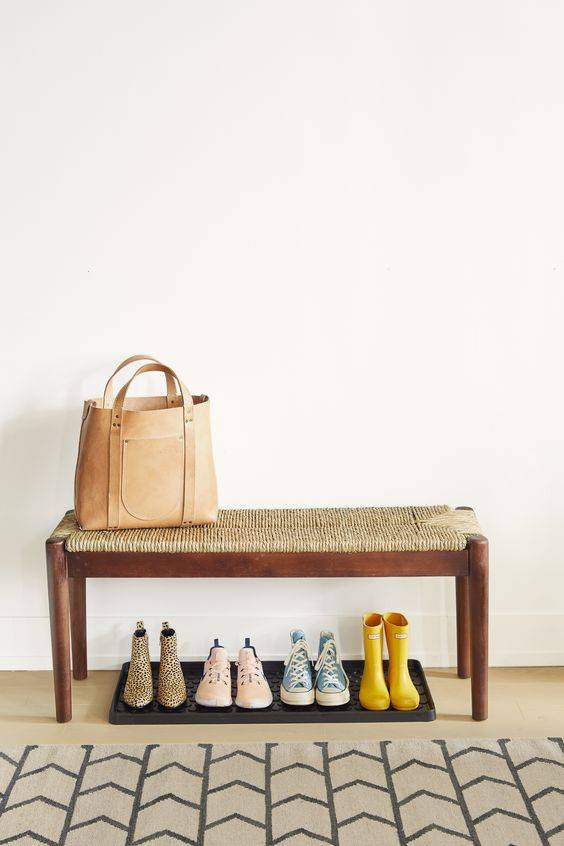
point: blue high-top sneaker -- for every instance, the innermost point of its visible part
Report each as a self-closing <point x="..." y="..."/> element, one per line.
<point x="331" y="682"/>
<point x="297" y="684"/>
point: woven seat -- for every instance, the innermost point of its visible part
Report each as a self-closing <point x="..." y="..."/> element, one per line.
<point x="402" y="529"/>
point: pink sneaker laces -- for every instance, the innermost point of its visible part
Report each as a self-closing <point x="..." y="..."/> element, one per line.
<point x="218" y="670"/>
<point x="250" y="668"/>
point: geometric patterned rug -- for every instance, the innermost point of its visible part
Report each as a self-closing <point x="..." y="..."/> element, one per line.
<point x="429" y="793"/>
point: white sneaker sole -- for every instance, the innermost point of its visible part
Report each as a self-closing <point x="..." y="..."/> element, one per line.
<point x="214" y="703"/>
<point x="297" y="697"/>
<point x="254" y="703"/>
<point x="329" y="699"/>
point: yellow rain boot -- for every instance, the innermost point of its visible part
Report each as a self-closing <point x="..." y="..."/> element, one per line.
<point x="403" y="693"/>
<point x="373" y="694"/>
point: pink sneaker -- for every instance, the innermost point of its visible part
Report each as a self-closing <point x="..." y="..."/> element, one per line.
<point x="252" y="687"/>
<point x="214" y="690"/>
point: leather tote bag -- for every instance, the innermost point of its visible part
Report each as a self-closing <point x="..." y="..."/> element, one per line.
<point x="145" y="461"/>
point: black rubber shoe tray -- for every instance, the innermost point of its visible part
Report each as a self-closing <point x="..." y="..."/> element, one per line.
<point x="278" y="712"/>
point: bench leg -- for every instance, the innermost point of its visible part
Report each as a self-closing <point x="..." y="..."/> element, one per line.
<point x="463" y="626"/>
<point x="478" y="563"/>
<point x="60" y="636"/>
<point x="77" y="597"/>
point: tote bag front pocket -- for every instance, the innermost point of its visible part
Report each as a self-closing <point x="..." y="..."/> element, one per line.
<point x="152" y="477"/>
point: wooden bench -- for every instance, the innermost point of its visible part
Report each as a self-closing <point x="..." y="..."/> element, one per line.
<point x="292" y="543"/>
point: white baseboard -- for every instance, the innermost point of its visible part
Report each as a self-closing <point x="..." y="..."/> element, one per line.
<point x="515" y="639"/>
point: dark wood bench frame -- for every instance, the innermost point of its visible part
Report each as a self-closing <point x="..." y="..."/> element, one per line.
<point x="67" y="573"/>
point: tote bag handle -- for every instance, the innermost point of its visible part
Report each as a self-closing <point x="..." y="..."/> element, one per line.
<point x="116" y="438"/>
<point x="107" y="401"/>
<point x="185" y="394"/>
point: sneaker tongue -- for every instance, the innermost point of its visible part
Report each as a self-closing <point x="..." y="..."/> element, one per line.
<point x="247" y="655"/>
<point x="297" y="635"/>
<point x="323" y="638"/>
<point x="218" y="653"/>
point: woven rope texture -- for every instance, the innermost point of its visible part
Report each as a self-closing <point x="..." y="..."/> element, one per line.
<point x="402" y="529"/>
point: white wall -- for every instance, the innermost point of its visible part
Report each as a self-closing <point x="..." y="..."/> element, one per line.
<point x="343" y="221"/>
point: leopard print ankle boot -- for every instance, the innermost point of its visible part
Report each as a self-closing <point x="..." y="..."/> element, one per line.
<point x="172" y="687"/>
<point x="138" y="690"/>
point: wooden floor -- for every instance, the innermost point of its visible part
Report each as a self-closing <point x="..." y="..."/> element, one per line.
<point x="524" y="702"/>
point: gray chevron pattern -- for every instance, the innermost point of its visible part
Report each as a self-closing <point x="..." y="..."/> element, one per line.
<point x="427" y="793"/>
